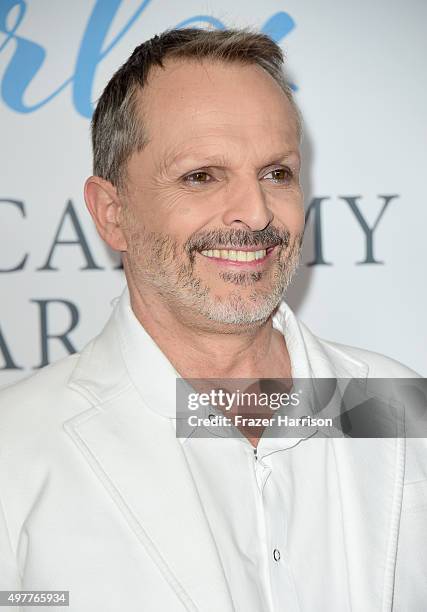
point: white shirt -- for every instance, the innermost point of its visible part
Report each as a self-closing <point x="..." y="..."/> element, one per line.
<point x="275" y="517"/>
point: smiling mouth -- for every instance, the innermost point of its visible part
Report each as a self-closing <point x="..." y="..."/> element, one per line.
<point x="238" y="255"/>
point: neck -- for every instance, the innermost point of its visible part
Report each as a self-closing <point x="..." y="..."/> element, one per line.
<point x="198" y="348"/>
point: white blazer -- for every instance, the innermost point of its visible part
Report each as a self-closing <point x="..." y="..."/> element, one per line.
<point x="96" y="496"/>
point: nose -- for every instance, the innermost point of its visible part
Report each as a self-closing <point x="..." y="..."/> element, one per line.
<point x="247" y="207"/>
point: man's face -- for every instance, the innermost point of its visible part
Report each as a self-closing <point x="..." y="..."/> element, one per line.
<point x="213" y="207"/>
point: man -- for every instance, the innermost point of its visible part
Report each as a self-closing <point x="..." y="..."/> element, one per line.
<point x="196" y="182"/>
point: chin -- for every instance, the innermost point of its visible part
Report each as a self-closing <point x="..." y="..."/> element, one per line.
<point x="237" y="310"/>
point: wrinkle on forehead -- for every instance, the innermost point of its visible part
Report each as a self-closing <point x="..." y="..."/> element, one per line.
<point x="215" y="108"/>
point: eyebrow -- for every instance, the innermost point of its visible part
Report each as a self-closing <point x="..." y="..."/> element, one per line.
<point x="219" y="160"/>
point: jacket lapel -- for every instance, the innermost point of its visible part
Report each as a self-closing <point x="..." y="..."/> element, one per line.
<point x="134" y="452"/>
<point x="370" y="473"/>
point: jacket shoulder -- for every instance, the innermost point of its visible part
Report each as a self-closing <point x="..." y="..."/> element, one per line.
<point x="54" y="375"/>
<point x="379" y="366"/>
<point x="40" y="400"/>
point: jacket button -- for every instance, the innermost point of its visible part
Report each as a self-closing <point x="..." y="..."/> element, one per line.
<point x="276" y="554"/>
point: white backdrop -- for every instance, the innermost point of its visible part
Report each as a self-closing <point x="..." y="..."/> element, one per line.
<point x="360" y="74"/>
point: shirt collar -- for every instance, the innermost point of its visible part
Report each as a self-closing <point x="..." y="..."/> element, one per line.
<point x="155" y="377"/>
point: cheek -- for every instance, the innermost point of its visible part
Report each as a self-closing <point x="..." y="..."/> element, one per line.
<point x="291" y="215"/>
<point x="185" y="221"/>
<point x="300" y="218"/>
<point x="174" y="213"/>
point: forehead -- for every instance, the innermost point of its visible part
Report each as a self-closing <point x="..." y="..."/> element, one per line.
<point x="207" y="107"/>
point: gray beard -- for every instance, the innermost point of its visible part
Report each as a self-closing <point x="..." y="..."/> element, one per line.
<point x="153" y="260"/>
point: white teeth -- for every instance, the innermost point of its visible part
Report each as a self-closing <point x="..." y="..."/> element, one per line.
<point x="233" y="255"/>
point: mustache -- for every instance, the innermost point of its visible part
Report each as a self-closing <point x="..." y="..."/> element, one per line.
<point x="216" y="239"/>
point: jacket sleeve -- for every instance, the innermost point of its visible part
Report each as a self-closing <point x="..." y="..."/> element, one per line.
<point x="411" y="566"/>
<point x="9" y="573"/>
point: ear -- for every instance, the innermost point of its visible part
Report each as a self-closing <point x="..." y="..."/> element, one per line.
<point x="105" y="206"/>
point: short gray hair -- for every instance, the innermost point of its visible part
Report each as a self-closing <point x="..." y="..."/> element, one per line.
<point x="117" y="130"/>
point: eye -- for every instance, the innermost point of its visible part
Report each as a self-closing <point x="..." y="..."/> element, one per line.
<point x="279" y="175"/>
<point x="198" y="178"/>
